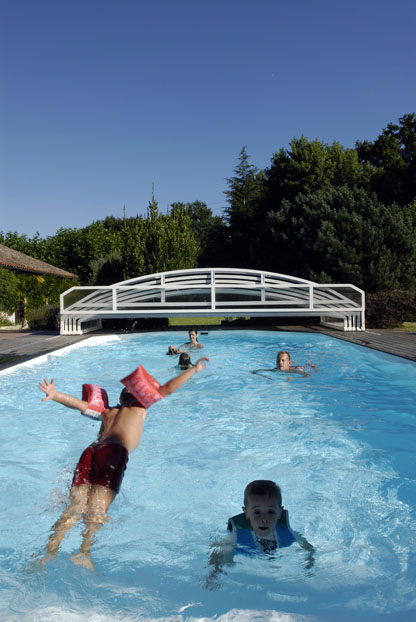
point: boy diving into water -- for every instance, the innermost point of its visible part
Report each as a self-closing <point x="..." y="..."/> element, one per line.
<point x="99" y="472"/>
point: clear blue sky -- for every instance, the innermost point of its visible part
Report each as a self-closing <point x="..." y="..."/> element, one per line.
<point x="101" y="98"/>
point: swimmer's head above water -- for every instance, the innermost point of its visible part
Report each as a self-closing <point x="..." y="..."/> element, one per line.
<point x="263" y="506"/>
<point x="193" y="335"/>
<point x="283" y="361"/>
<point x="184" y="361"/>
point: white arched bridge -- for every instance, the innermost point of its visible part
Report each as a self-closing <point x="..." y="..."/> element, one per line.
<point x="207" y="292"/>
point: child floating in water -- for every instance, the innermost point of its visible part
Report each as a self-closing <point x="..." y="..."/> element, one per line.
<point x="99" y="473"/>
<point x="263" y="527"/>
<point x="284" y="363"/>
<point x="184" y="361"/>
<point x="173" y="350"/>
<point x="264" y="523"/>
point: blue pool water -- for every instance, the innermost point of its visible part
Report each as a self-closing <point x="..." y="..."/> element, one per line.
<point x="340" y="443"/>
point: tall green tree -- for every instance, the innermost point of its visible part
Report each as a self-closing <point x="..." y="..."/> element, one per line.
<point x="74" y="249"/>
<point x="305" y="168"/>
<point x="182" y="242"/>
<point x="392" y="157"/>
<point x="133" y="248"/>
<point x="410" y="210"/>
<point x="310" y="166"/>
<point x="35" y="247"/>
<point x="341" y="235"/>
<point x="69" y="249"/>
<point x="211" y="233"/>
<point x="158" y="243"/>
<point x="245" y="190"/>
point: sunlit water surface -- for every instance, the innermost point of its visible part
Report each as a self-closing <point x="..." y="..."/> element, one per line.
<point x="340" y="443"/>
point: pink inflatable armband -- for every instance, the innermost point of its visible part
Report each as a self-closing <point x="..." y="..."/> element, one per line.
<point x="143" y="386"/>
<point x="97" y="399"/>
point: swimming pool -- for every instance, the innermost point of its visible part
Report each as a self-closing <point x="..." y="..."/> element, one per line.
<point x="340" y="443"/>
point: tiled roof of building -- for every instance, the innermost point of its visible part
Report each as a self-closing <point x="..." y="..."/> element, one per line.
<point x="15" y="260"/>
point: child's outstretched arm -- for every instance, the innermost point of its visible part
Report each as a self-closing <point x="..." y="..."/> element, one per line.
<point x="221" y="555"/>
<point x="307" y="546"/>
<point x="175" y="383"/>
<point x="52" y="393"/>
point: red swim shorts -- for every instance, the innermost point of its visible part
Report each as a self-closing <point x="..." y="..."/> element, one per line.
<point x="102" y="463"/>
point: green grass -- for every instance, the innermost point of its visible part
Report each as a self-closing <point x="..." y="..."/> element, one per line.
<point x="409" y="327"/>
<point x="195" y="321"/>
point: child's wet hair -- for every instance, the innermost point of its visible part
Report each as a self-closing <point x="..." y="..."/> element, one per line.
<point x="184" y="360"/>
<point x="263" y="488"/>
<point x="125" y="392"/>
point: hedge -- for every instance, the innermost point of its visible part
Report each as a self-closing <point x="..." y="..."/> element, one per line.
<point x="390" y="309"/>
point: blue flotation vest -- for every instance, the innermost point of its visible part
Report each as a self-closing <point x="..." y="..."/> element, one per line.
<point x="245" y="538"/>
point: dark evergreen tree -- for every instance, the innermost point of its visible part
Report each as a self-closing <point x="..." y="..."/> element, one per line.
<point x="392" y="157"/>
<point x="244" y="193"/>
<point x="341" y="235"/>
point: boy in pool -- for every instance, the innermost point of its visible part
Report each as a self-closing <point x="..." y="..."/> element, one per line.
<point x="264" y="522"/>
<point x="99" y="473"/>
<point x="263" y="527"/>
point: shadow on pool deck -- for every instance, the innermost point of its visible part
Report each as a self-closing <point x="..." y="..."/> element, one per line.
<point x="18" y="346"/>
